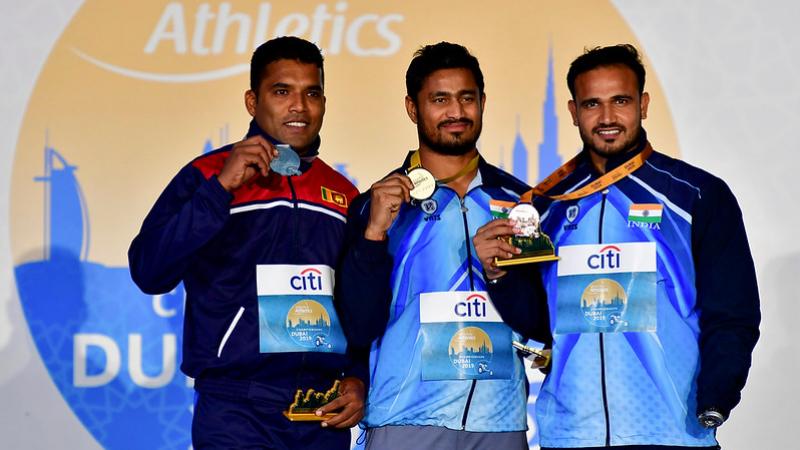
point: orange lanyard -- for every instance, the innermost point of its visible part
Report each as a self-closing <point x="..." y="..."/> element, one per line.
<point x="622" y="171"/>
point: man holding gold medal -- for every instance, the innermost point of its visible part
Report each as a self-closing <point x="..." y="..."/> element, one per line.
<point x="254" y="230"/>
<point x="444" y="374"/>
<point x="653" y="304"/>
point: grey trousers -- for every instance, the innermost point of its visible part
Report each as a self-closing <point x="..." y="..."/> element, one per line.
<point x="412" y="437"/>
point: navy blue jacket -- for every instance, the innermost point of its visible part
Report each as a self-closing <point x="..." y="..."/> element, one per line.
<point x="212" y="240"/>
<point x="698" y="353"/>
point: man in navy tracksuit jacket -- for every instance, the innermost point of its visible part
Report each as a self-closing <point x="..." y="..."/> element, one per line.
<point x="256" y="251"/>
<point x="653" y="306"/>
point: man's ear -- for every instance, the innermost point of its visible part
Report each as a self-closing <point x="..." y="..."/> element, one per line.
<point x="250" y="100"/>
<point x="411" y="109"/>
<point x="643" y="103"/>
<point x="573" y="110"/>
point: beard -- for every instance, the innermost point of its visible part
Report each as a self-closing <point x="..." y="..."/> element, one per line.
<point x="450" y="144"/>
<point x="609" y="150"/>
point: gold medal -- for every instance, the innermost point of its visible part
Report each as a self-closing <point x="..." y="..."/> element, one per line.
<point x="424" y="183"/>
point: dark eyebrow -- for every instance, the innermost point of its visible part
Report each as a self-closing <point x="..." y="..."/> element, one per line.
<point x="457" y="94"/>
<point x="622" y="97"/>
<point x="280" y="85"/>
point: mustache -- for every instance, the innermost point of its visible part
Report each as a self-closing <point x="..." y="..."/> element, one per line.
<point x="464" y="120"/>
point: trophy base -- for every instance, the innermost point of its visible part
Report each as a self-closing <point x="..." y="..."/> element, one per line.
<point x="307" y="416"/>
<point x="525" y="260"/>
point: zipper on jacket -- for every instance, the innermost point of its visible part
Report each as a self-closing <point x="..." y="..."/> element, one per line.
<point x="471" y="287"/>
<point x="295" y="218"/>
<point x="295" y="252"/>
<point x="602" y="346"/>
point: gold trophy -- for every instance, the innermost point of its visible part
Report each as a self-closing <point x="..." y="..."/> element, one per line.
<point x="305" y="405"/>
<point x="535" y="245"/>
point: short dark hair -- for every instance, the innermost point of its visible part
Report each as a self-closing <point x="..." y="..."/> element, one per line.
<point x="284" y="47"/>
<point x="444" y="55"/>
<point x="621" y="54"/>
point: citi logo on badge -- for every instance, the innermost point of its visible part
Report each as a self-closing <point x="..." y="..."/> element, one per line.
<point x="286" y="279"/>
<point x="473" y="306"/>
<point x="607" y="258"/>
<point x="309" y="280"/>
<point x="457" y="306"/>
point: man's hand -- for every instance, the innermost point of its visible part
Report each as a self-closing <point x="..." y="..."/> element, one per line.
<point x="350" y="401"/>
<point x="247" y="159"/>
<point x="488" y="246"/>
<point x="386" y="198"/>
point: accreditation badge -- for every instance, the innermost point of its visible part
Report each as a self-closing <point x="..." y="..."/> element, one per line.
<point x="295" y="309"/>
<point x="463" y="337"/>
<point x="606" y="288"/>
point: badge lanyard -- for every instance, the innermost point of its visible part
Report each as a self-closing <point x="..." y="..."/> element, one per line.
<point x="599" y="184"/>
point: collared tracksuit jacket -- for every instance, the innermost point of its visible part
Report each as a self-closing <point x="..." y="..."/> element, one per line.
<point x="636" y="388"/>
<point x="428" y="249"/>
<point x="213" y="240"/>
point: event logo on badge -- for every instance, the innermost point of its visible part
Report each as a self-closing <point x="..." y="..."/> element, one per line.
<point x="603" y="303"/>
<point x="471" y="351"/>
<point x="309" y="324"/>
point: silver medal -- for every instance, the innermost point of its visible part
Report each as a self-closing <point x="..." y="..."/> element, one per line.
<point x="527" y="219"/>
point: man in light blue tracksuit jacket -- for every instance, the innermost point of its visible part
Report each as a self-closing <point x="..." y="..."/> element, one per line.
<point x="444" y="374"/>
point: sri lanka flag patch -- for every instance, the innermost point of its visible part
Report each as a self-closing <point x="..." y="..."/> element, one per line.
<point x="331" y="196"/>
<point x="645" y="212"/>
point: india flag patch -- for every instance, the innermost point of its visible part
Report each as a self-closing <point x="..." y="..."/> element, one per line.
<point x="500" y="208"/>
<point x="645" y="212"/>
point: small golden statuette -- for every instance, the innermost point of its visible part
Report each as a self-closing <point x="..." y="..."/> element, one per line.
<point x="304" y="406"/>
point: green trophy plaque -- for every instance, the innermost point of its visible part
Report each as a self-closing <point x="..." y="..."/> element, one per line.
<point x="535" y="245"/>
<point x="305" y="404"/>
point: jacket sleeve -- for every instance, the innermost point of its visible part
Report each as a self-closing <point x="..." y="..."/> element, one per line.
<point x="727" y="298"/>
<point x="520" y="298"/>
<point x="363" y="280"/>
<point x="190" y="211"/>
<point x="358" y="364"/>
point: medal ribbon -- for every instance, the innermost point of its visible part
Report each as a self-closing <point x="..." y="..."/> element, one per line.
<point x="472" y="164"/>
<point x="622" y="171"/>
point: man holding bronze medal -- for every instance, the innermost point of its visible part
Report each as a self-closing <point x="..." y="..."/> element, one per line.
<point x="444" y="374"/>
<point x="653" y="304"/>
<point x="254" y="231"/>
